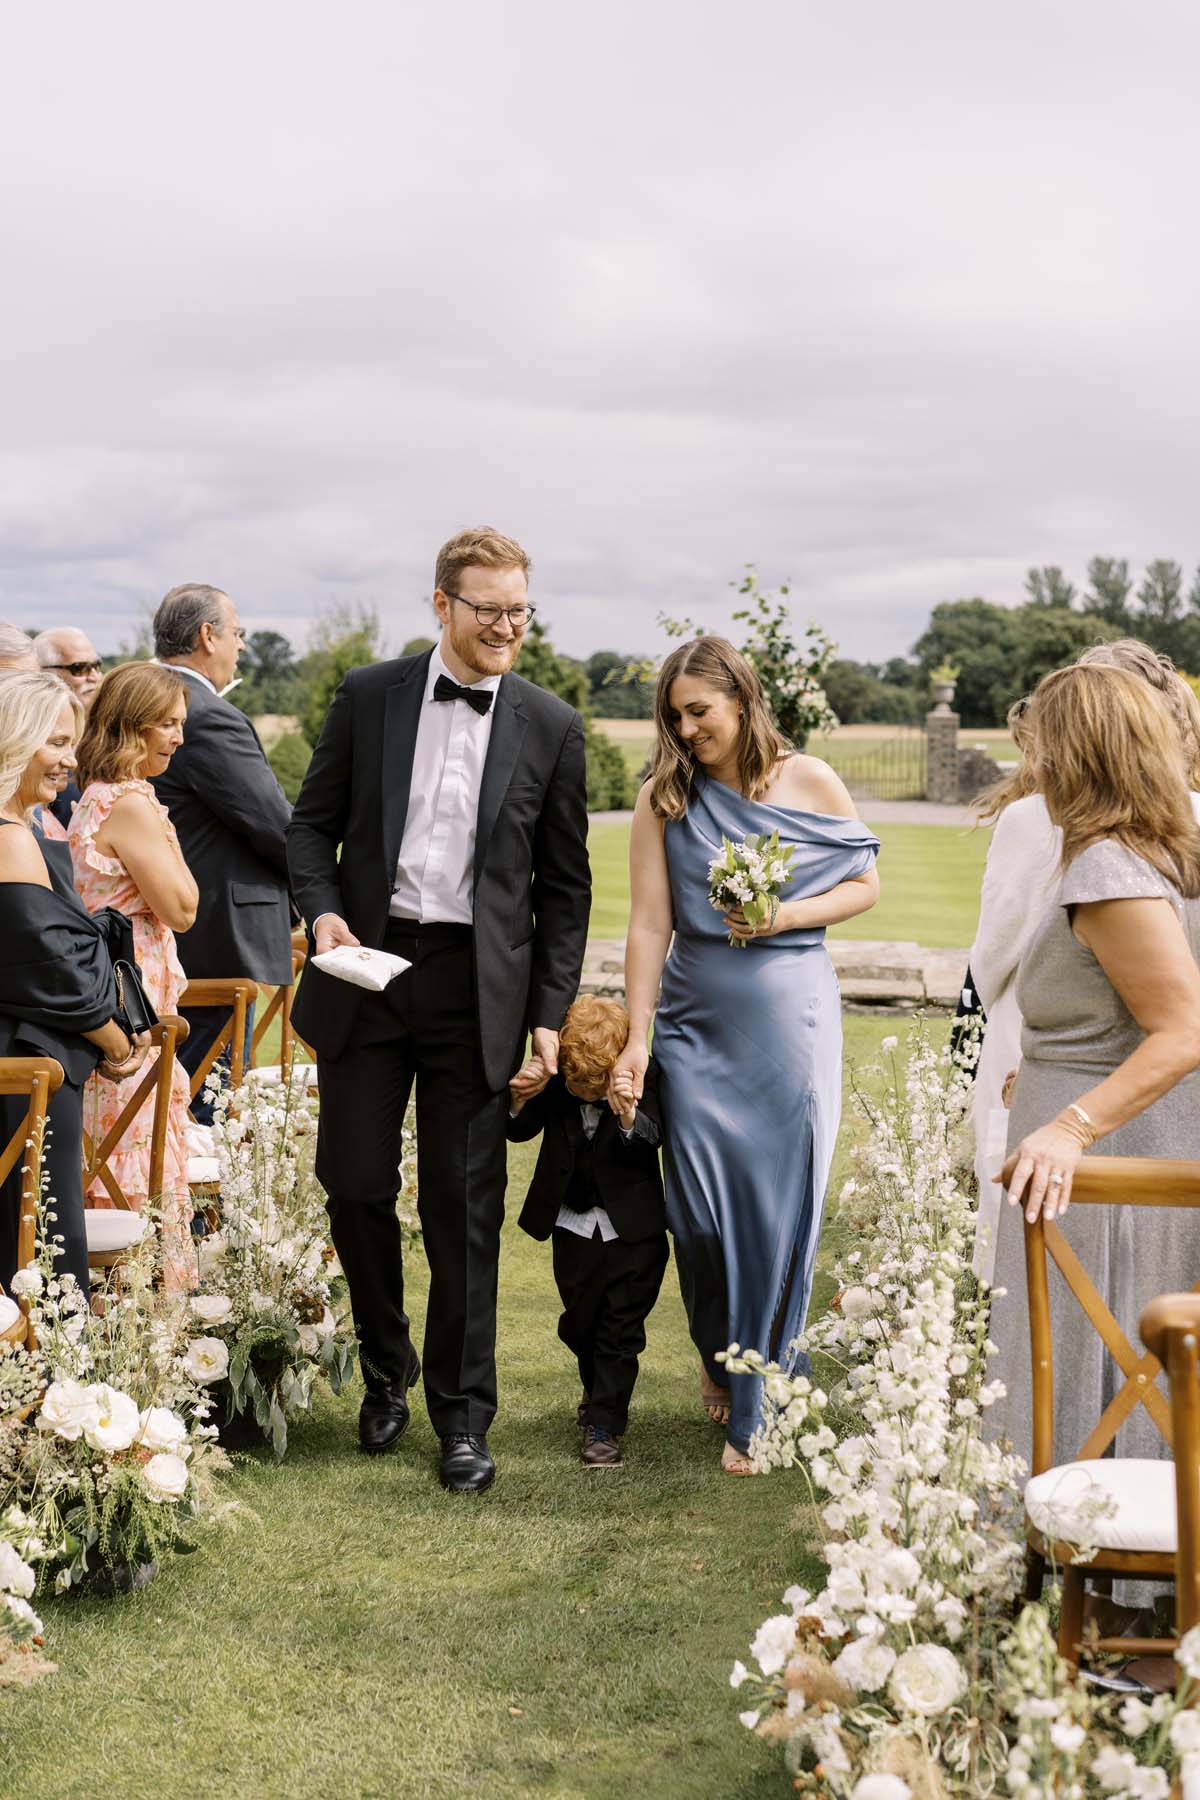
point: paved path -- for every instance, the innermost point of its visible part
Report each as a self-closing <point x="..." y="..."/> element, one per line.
<point x="872" y="973"/>
<point x="874" y="812"/>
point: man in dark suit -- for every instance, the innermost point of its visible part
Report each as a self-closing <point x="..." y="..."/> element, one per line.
<point x="230" y="813"/>
<point x="457" y="794"/>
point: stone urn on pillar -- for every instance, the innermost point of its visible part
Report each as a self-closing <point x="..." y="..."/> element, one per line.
<point x="941" y="738"/>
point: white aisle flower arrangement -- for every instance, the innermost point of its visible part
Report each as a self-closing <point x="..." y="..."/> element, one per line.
<point x="107" y="1463"/>
<point x="270" y="1317"/>
<point x="904" y="1676"/>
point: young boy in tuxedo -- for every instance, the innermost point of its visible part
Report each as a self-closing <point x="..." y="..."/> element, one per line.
<point x="597" y="1192"/>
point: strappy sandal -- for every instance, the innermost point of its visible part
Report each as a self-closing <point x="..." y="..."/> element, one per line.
<point x="741" y="1465"/>
<point x="715" y="1400"/>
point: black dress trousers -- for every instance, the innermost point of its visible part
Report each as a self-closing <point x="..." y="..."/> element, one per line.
<point x="422" y="1027"/>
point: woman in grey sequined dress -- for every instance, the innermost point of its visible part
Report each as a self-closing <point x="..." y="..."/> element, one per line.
<point x="1109" y="990"/>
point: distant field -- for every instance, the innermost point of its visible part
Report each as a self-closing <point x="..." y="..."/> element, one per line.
<point x="930" y="877"/>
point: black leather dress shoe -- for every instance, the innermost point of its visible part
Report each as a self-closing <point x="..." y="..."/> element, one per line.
<point x="384" y="1415"/>
<point x="467" y="1466"/>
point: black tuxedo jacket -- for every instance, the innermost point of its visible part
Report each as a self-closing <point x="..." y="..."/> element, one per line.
<point x="231" y="816"/>
<point x="626" y="1169"/>
<point x="532" y="892"/>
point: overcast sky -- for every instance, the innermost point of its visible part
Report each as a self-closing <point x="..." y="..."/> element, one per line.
<point x="890" y="299"/>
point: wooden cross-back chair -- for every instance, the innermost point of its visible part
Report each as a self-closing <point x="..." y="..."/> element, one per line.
<point x="280" y="1007"/>
<point x="1170" y="1330"/>
<point x="111" y="1237"/>
<point x="1139" y="1542"/>
<point x="238" y="993"/>
<point x="37" y="1078"/>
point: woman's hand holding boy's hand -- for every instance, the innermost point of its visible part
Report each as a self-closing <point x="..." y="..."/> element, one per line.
<point x="529" y="1080"/>
<point x="623" y="1098"/>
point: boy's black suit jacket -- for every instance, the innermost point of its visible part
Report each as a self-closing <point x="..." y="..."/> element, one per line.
<point x="626" y="1169"/>
<point x="532" y="893"/>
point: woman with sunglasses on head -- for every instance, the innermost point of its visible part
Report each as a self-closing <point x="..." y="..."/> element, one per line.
<point x="58" y="996"/>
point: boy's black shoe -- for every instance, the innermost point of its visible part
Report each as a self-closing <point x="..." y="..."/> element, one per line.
<point x="601" y="1450"/>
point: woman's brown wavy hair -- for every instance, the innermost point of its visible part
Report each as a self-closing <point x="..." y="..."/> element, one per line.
<point x="1108" y="758"/>
<point x="672" y="769"/>
<point x="132" y="698"/>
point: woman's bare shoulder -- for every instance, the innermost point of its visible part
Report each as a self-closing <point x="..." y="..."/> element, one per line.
<point x="810" y="785"/>
<point x="20" y="856"/>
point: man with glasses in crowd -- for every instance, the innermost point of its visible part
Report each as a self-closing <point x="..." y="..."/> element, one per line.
<point x="230" y="814"/>
<point x="72" y="656"/>
<point x="456" y="795"/>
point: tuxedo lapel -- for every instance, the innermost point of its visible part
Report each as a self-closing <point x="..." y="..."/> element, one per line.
<point x="402" y="716"/>
<point x="504" y="747"/>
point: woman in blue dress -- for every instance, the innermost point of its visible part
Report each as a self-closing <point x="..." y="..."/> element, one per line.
<point x="747" y="1037"/>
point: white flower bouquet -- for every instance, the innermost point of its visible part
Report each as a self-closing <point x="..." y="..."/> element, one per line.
<point x="749" y="875"/>
<point x="270" y="1318"/>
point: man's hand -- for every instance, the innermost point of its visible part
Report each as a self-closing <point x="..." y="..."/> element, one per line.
<point x="529" y="1080"/>
<point x="545" y="1046"/>
<point x="330" y="931"/>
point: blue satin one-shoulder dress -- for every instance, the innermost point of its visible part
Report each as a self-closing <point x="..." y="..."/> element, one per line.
<point x="749" y="1047"/>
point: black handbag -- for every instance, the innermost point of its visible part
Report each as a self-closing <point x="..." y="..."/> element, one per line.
<point x="134" y="1012"/>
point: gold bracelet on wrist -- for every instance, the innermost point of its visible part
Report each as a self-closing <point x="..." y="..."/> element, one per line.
<point x="1085" y="1120"/>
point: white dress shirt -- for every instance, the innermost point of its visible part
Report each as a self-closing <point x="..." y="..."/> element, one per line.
<point x="435" y="870"/>
<point x="586" y="1224"/>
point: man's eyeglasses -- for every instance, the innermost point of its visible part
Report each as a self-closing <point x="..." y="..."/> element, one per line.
<point x="517" y="616"/>
<point x="77" y="669"/>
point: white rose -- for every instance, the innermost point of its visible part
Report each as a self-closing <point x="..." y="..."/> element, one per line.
<point x="926" y="1680"/>
<point x="207" y="1359"/>
<point x="211" y="1309"/>
<point x="162" y="1430"/>
<point x="114" y="1422"/>
<point x="773" y="1643"/>
<point x="865" y="1665"/>
<point x="66" y="1407"/>
<point x="881" y="1787"/>
<point x="27" y="1283"/>
<point x="857" y="1302"/>
<point x="165" y="1477"/>
<point x="16" y="1577"/>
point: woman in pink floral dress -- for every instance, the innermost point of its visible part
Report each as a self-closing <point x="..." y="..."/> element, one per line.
<point x="126" y="855"/>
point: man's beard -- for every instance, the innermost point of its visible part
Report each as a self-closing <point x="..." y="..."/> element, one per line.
<point x="468" y="649"/>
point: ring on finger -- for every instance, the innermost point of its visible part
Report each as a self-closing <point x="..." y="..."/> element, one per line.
<point x="1056" y="1180"/>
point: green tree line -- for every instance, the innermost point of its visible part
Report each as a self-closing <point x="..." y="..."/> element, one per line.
<point x="1001" y="652"/>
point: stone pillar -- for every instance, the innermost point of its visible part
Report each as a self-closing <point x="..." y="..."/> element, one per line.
<point x="941" y="745"/>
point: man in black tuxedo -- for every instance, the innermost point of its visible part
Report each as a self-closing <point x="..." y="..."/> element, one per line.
<point x="230" y="813"/>
<point x="457" y="794"/>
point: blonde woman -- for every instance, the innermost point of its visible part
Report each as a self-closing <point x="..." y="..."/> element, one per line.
<point x="1109" y="992"/>
<point x="126" y="856"/>
<point x="1020" y="881"/>
<point x="747" y="1038"/>
<point x="57" y="993"/>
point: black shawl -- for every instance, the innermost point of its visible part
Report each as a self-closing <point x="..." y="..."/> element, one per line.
<point x="56" y="974"/>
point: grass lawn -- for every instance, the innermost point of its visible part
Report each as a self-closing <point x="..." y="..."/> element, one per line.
<point x="365" y="1635"/>
<point x="930" y="877"/>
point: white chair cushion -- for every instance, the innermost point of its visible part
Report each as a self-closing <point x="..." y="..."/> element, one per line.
<point x="271" y="1075"/>
<point x="200" y="1140"/>
<point x="109" y="1229"/>
<point x="203" y="1168"/>
<point x="1143" y="1493"/>
<point x="10" y="1312"/>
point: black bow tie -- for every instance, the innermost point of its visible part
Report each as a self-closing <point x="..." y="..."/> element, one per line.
<point x="445" y="689"/>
